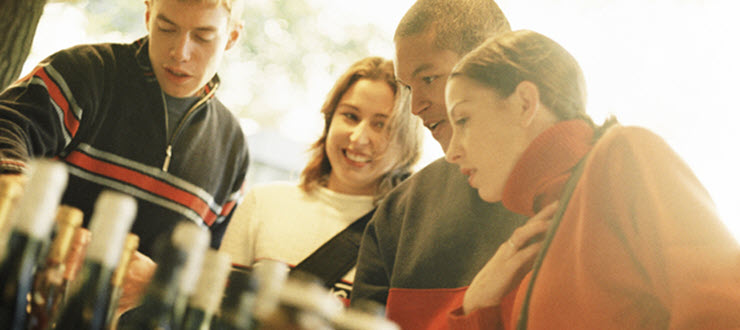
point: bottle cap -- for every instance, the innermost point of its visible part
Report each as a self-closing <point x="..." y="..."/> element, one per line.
<point x="38" y="204"/>
<point x="68" y="219"/>
<point x="270" y="276"/>
<point x="306" y="294"/>
<point x="10" y="191"/>
<point x="194" y="240"/>
<point x="129" y="247"/>
<point x="76" y="254"/>
<point x="212" y="281"/>
<point x="111" y="220"/>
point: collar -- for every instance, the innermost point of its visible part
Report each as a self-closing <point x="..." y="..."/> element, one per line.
<point x="142" y="59"/>
<point x="540" y="174"/>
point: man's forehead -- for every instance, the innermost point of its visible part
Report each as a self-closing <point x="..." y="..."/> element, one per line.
<point x="417" y="54"/>
<point x="409" y="64"/>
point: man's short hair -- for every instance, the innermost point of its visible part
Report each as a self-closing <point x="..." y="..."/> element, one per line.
<point x="235" y="7"/>
<point x="459" y="25"/>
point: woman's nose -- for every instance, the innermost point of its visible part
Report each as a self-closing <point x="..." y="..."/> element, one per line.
<point x="454" y="151"/>
<point x="360" y="133"/>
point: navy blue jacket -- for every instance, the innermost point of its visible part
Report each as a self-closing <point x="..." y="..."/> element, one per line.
<point x="99" y="109"/>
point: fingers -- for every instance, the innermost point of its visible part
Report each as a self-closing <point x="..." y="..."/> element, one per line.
<point x="535" y="226"/>
<point x="524" y="259"/>
<point x="525" y="235"/>
<point x="546" y="213"/>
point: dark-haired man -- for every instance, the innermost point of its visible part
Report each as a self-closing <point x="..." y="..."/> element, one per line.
<point x="433" y="233"/>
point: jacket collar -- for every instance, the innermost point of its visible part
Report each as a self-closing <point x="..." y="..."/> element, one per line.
<point x="542" y="171"/>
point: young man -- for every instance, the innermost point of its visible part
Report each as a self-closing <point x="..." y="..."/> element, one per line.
<point x="139" y="118"/>
<point x="433" y="233"/>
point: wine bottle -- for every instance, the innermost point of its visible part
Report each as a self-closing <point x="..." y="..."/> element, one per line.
<point x="48" y="290"/>
<point x="304" y="303"/>
<point x="198" y="244"/>
<point x="129" y="247"/>
<point x="209" y="290"/>
<point x="237" y="305"/>
<point x="111" y="220"/>
<point x="73" y="263"/>
<point x="270" y="276"/>
<point x="175" y="256"/>
<point x="31" y="228"/>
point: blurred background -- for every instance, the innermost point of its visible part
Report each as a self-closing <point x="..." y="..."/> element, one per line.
<point x="668" y="65"/>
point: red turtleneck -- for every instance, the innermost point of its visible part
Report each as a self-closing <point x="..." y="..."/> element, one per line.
<point x="538" y="177"/>
<point x="640" y="245"/>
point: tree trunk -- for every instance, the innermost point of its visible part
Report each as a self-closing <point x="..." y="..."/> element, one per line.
<point x="18" y="21"/>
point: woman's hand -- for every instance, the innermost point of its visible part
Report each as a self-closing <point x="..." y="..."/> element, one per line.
<point x="512" y="261"/>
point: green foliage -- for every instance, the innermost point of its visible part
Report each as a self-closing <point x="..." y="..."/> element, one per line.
<point x="115" y="16"/>
<point x="286" y="40"/>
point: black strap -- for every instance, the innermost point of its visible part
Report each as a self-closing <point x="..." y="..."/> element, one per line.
<point x="562" y="205"/>
<point x="337" y="256"/>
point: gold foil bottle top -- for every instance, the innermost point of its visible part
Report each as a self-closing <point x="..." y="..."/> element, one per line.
<point x="130" y="245"/>
<point x="76" y="254"/>
<point x="10" y="191"/>
<point x="68" y="219"/>
<point x="10" y="187"/>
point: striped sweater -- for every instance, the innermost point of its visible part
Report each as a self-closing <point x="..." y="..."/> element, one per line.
<point x="427" y="240"/>
<point x="99" y="109"/>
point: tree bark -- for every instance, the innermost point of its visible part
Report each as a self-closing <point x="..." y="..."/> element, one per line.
<point x="18" y="21"/>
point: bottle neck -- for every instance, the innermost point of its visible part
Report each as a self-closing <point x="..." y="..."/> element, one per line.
<point x="164" y="287"/>
<point x="16" y="277"/>
<point x="87" y="306"/>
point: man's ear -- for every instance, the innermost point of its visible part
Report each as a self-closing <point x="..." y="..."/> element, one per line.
<point x="234" y="34"/>
<point x="529" y="97"/>
<point x="147" y="16"/>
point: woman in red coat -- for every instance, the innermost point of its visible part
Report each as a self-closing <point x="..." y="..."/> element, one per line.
<point x="639" y="244"/>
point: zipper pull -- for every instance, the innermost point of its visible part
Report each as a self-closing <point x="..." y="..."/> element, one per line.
<point x="166" y="165"/>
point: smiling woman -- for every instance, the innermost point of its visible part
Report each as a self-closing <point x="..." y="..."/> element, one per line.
<point x="369" y="144"/>
<point x="357" y="142"/>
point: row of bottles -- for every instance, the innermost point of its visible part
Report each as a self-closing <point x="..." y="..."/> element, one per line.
<point x="54" y="274"/>
<point x="43" y="283"/>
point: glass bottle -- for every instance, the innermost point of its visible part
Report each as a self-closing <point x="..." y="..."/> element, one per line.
<point x="73" y="262"/>
<point x="111" y="220"/>
<point x="270" y="276"/>
<point x="237" y="305"/>
<point x="48" y="290"/>
<point x="32" y="225"/>
<point x="129" y="247"/>
<point x="304" y="304"/>
<point x="175" y="256"/>
<point x="209" y="290"/>
<point x="197" y="247"/>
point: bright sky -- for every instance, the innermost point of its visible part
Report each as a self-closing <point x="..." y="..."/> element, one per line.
<point x="668" y="65"/>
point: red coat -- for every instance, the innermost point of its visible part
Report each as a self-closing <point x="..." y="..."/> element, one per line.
<point x="640" y="245"/>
